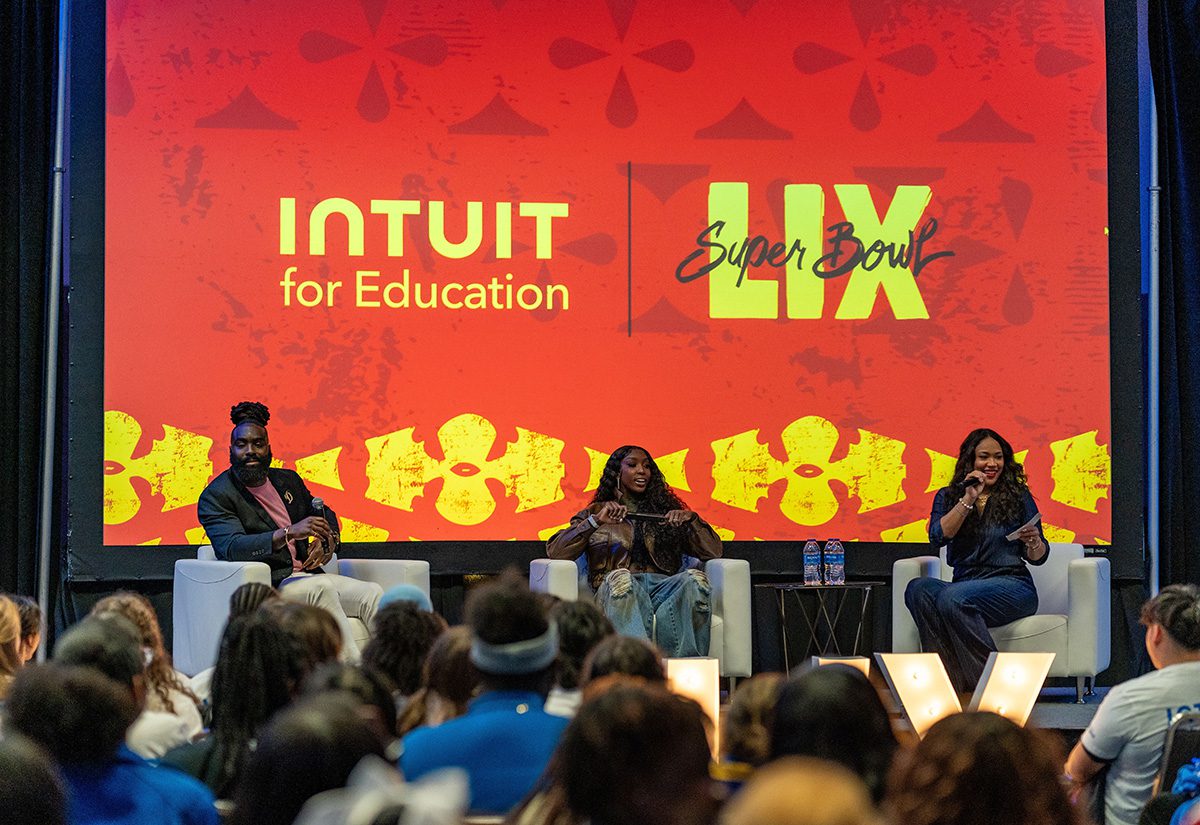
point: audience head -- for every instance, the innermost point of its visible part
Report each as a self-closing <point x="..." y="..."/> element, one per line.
<point x="259" y="668"/>
<point x="636" y="753"/>
<point x="624" y="655"/>
<point x="403" y="635"/>
<point x="977" y="769"/>
<point x="309" y="748"/>
<point x="369" y="690"/>
<point x="800" y="790"/>
<point x="249" y="597"/>
<point x="1172" y="620"/>
<point x="406" y="593"/>
<point x="161" y="679"/>
<point x="513" y="644"/>
<point x="31" y="625"/>
<point x="109" y="644"/>
<point x="746" y="736"/>
<point x="10" y="643"/>
<point x="833" y="712"/>
<point x="448" y="681"/>
<point x="314" y="629"/>
<point x="78" y="714"/>
<point x="30" y="784"/>
<point x="581" y="626"/>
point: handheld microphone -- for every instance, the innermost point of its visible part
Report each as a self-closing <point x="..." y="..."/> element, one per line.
<point x="645" y="517"/>
<point x="969" y="481"/>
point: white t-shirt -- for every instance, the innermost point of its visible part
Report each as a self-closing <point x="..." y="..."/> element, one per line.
<point x="1128" y="731"/>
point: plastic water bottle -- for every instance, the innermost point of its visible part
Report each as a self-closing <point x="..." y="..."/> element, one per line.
<point x="812" y="562"/>
<point x="835" y="562"/>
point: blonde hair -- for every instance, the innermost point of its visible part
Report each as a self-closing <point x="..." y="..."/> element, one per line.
<point x="10" y="639"/>
<point x="802" y="790"/>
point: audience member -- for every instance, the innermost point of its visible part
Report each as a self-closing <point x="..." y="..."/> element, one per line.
<point x="624" y="655"/>
<point x="244" y="600"/>
<point x="368" y="690"/>
<point x="403" y="636"/>
<point x="31" y="625"/>
<point x="308" y="748"/>
<point x="581" y="626"/>
<point x="834" y="712"/>
<point x="259" y="668"/>
<point x="30" y="785"/>
<point x="634" y="753"/>
<point x="80" y="715"/>
<point x="505" y="738"/>
<point x="1129" y="728"/>
<point x="746" y="728"/>
<point x="405" y="593"/>
<point x="10" y="644"/>
<point x="313" y="628"/>
<point x="980" y="769"/>
<point x="171" y="715"/>
<point x="448" y="682"/>
<point x="801" y="790"/>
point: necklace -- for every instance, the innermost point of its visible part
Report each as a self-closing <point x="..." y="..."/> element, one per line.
<point x="982" y="500"/>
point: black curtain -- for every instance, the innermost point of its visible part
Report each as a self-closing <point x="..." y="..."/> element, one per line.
<point x="28" y="32"/>
<point x="1175" y="63"/>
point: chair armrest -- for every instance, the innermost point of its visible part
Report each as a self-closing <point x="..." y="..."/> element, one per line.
<point x="387" y="573"/>
<point x="200" y="606"/>
<point x="730" y="580"/>
<point x="905" y="638"/>
<point x="1089" y="640"/>
<point x="558" y="577"/>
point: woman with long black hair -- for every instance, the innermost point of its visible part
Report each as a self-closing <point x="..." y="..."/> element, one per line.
<point x="987" y="500"/>
<point x="636" y="533"/>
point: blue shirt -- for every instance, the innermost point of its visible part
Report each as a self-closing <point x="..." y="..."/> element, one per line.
<point x="128" y="790"/>
<point x="988" y="553"/>
<point x="503" y="742"/>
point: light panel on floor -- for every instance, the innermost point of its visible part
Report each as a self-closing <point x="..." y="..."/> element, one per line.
<point x="921" y="686"/>
<point x="1011" y="683"/>
<point x="699" y="678"/>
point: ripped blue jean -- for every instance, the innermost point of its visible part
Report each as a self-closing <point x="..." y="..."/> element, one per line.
<point x="674" y="612"/>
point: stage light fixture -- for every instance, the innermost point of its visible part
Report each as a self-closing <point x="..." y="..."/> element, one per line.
<point x="1010" y="684"/>
<point x="858" y="662"/>
<point x="921" y="686"/>
<point x="698" y="678"/>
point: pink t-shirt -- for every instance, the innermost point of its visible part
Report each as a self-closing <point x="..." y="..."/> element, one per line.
<point x="269" y="498"/>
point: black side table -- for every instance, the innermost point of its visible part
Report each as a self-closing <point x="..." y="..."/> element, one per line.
<point x="825" y="609"/>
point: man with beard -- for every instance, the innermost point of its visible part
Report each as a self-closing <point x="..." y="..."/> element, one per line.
<point x="256" y="512"/>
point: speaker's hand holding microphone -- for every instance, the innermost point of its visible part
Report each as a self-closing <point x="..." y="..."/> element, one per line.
<point x="972" y="486"/>
<point x="317" y="528"/>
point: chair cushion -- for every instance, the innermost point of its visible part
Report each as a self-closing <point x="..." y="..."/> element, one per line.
<point x="1029" y="627"/>
<point x="716" y="639"/>
<point x="1037" y="634"/>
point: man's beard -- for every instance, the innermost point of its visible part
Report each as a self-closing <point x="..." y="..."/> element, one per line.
<point x="251" y="476"/>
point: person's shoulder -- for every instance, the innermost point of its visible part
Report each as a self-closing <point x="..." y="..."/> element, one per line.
<point x="177" y="789"/>
<point x="222" y="484"/>
<point x="282" y="474"/>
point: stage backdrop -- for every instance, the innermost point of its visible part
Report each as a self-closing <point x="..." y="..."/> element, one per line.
<point x="463" y="250"/>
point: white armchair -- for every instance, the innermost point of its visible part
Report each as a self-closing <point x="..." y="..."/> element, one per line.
<point x="203" y="585"/>
<point x="1072" y="620"/>
<point x="730" y="580"/>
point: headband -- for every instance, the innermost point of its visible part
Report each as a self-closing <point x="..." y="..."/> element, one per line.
<point x="516" y="658"/>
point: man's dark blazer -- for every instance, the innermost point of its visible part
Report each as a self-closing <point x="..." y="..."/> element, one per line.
<point x="240" y="528"/>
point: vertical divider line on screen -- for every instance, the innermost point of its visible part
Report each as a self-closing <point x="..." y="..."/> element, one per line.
<point x="629" y="249"/>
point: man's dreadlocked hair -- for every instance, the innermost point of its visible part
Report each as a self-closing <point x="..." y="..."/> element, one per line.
<point x="249" y="411"/>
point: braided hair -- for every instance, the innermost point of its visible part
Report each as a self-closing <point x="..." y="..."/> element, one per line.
<point x="251" y="412"/>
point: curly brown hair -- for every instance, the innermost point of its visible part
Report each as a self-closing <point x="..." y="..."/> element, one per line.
<point x="977" y="769"/>
<point x="161" y="676"/>
<point x="1010" y="488"/>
